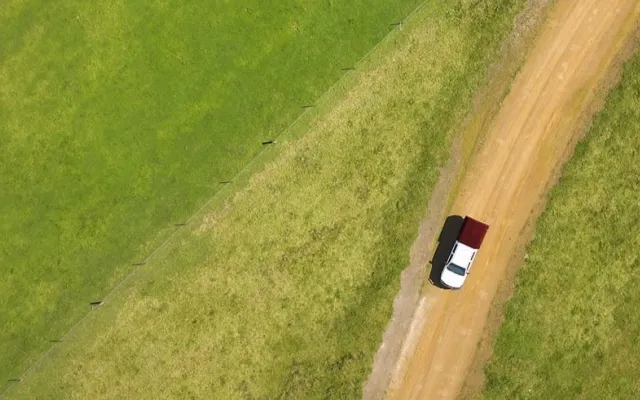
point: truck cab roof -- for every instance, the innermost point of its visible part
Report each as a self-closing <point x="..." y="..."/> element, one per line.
<point x="462" y="255"/>
<point x="455" y="271"/>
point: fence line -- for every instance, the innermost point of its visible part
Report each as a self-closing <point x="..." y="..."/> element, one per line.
<point x="180" y="226"/>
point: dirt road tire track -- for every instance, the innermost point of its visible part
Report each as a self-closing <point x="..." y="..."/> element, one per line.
<point x="407" y="303"/>
<point x="524" y="145"/>
<point x="475" y="379"/>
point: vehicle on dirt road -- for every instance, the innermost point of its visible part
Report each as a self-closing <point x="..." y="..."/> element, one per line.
<point x="462" y="254"/>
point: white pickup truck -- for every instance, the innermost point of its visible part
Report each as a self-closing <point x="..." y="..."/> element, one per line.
<point x="464" y="250"/>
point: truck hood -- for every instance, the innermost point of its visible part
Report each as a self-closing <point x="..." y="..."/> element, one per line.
<point x="452" y="279"/>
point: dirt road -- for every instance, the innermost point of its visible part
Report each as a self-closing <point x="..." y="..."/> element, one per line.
<point x="508" y="176"/>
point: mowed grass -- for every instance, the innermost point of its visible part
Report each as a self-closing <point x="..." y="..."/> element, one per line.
<point x="572" y="328"/>
<point x="284" y="289"/>
<point x="119" y="118"/>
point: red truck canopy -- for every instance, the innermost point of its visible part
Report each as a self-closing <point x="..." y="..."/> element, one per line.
<point x="472" y="232"/>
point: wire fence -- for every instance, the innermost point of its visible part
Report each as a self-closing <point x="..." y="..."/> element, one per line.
<point x="180" y="227"/>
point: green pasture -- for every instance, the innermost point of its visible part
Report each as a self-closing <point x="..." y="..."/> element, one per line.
<point x="119" y="118"/>
<point x="283" y="288"/>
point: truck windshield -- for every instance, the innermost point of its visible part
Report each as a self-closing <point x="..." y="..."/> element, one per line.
<point x="456" y="269"/>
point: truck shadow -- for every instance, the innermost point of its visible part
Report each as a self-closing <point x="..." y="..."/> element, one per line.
<point x="446" y="240"/>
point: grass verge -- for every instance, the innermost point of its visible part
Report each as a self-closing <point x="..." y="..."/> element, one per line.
<point x="284" y="289"/>
<point x="571" y="328"/>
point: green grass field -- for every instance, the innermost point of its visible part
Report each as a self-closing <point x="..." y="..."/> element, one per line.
<point x="283" y="289"/>
<point x="572" y="328"/>
<point x="118" y="119"/>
